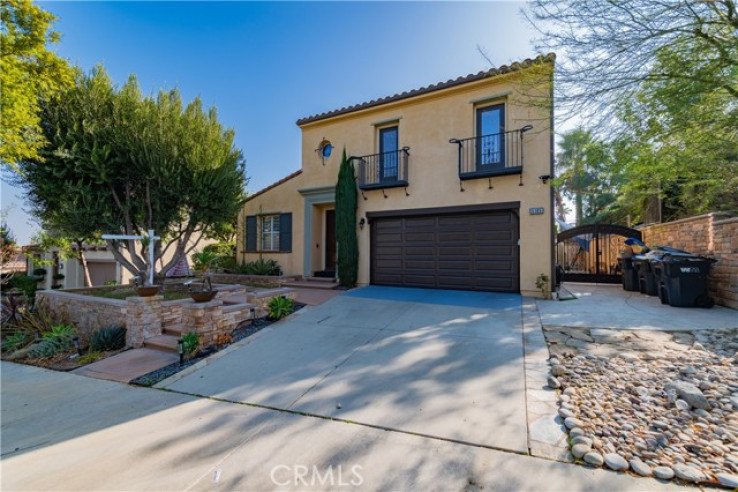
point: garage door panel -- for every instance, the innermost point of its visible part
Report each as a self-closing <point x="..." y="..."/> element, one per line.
<point x="454" y="238"/>
<point x="420" y="237"/>
<point x="422" y="223"/>
<point x="419" y="250"/>
<point x="473" y="251"/>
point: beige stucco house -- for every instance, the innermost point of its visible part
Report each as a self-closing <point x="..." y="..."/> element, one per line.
<point x="453" y="182"/>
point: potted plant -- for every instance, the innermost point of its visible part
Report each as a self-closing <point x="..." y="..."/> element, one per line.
<point x="543" y="283"/>
<point x="203" y="262"/>
<point x="144" y="290"/>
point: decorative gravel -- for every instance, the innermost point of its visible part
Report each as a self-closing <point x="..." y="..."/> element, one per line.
<point x="655" y="403"/>
<point x="244" y="331"/>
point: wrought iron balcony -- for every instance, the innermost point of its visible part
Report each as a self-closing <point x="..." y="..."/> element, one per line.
<point x="385" y="170"/>
<point x="491" y="155"/>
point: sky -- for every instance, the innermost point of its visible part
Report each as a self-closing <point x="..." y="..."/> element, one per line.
<point x="264" y="65"/>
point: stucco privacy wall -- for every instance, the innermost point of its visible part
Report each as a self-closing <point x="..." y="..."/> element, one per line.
<point x="712" y="235"/>
<point x="426" y="123"/>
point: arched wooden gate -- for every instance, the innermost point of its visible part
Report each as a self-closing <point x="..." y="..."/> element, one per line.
<point x="589" y="253"/>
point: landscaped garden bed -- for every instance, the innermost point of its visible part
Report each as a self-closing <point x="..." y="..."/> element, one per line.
<point x="245" y="330"/>
<point x="37" y="336"/>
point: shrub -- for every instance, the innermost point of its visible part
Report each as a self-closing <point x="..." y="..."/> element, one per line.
<point x="204" y="260"/>
<point x="40" y="321"/>
<point x="261" y="266"/>
<point x="56" y="341"/>
<point x="39" y="272"/>
<point x="90" y="357"/>
<point x="227" y="262"/>
<point x="58" y="276"/>
<point x="25" y="284"/>
<point x="15" y="341"/>
<point x="110" y="338"/>
<point x="279" y="307"/>
<point x="190" y="343"/>
<point x="223" y="248"/>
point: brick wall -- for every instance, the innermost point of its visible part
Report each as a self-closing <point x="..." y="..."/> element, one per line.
<point x="711" y="235"/>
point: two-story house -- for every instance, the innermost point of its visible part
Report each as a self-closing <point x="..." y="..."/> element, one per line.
<point x="453" y="182"/>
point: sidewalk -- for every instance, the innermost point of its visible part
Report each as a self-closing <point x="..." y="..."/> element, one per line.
<point x="62" y="431"/>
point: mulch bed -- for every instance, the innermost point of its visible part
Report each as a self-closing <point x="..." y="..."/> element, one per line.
<point x="243" y="331"/>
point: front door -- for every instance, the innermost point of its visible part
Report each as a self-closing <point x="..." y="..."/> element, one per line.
<point x="330" y="240"/>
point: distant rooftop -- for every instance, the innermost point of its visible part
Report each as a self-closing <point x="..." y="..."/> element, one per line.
<point x="513" y="67"/>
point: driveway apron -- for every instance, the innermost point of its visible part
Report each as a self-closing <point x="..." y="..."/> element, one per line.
<point x="445" y="364"/>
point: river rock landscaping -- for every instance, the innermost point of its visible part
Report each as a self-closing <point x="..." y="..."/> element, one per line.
<point x="662" y="404"/>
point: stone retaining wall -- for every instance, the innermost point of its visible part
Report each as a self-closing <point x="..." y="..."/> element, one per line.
<point x="145" y="317"/>
<point x="711" y="235"/>
<point x="88" y="314"/>
<point x="257" y="280"/>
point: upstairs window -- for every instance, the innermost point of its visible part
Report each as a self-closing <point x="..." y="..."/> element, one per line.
<point x="389" y="140"/>
<point x="491" y="137"/>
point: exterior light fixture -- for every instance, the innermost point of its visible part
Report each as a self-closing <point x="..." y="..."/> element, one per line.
<point x="544" y="178"/>
<point x="362" y="222"/>
<point x="180" y="349"/>
<point x="324" y="150"/>
<point x="77" y="345"/>
<point x="526" y="128"/>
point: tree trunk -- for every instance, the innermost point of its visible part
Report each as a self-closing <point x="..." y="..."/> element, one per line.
<point x="83" y="261"/>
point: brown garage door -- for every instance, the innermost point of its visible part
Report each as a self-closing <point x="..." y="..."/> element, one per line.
<point x="469" y="251"/>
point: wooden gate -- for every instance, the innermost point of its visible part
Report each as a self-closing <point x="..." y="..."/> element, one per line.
<point x="589" y="253"/>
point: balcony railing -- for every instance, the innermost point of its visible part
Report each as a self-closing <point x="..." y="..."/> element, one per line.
<point x="385" y="170"/>
<point x="491" y="155"/>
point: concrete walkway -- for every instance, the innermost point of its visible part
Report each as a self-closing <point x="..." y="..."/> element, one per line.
<point x="66" y="432"/>
<point x="609" y="306"/>
<point x="439" y="363"/>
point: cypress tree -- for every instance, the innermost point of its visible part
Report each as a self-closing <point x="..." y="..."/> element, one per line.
<point x="348" y="247"/>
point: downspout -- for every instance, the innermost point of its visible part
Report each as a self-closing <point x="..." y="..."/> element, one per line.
<point x="553" y="176"/>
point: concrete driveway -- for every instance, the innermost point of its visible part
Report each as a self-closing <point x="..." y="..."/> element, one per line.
<point x="445" y="364"/>
<point x="609" y="306"/>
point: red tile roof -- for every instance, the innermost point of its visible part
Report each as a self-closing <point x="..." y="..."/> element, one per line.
<point x="274" y="185"/>
<point x="513" y="67"/>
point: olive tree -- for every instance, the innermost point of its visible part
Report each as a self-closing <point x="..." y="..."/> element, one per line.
<point x="121" y="163"/>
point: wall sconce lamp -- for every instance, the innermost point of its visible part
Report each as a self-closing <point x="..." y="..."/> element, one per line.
<point x="324" y="149"/>
<point x="77" y="345"/>
<point x="361" y="223"/>
<point x="544" y="178"/>
<point x="526" y="128"/>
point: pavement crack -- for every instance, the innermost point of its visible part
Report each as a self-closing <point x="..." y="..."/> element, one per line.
<point x="343" y="421"/>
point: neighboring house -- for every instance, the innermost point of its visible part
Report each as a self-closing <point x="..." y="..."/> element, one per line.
<point x="454" y="183"/>
<point x="103" y="267"/>
<point x="101" y="263"/>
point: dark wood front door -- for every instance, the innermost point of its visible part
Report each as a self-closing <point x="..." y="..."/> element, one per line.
<point x="330" y="240"/>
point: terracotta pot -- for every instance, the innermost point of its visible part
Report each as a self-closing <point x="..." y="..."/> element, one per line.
<point x="147" y="290"/>
<point x="203" y="295"/>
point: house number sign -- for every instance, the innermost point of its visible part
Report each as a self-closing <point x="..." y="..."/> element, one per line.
<point x="535" y="211"/>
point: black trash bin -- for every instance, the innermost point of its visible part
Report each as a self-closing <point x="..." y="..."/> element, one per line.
<point x="629" y="274"/>
<point x="683" y="280"/>
<point x="646" y="280"/>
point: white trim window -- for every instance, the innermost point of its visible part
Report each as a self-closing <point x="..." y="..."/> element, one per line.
<point x="270" y="233"/>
